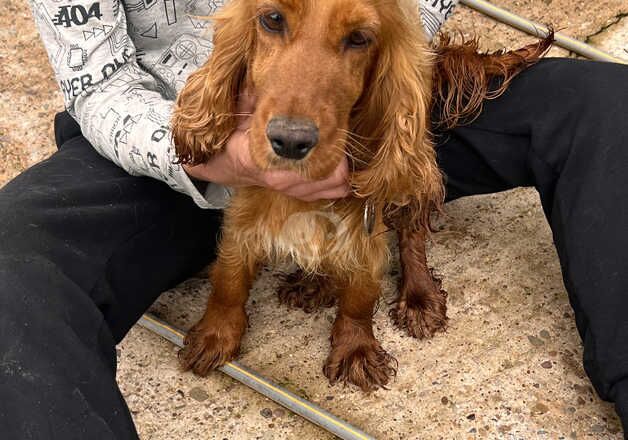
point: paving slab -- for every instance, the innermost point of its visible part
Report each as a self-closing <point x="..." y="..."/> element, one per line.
<point x="508" y="367"/>
<point x="29" y="95"/>
<point x="613" y="38"/>
<point x="577" y="19"/>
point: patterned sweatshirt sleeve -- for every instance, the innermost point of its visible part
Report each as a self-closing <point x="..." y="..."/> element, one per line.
<point x="434" y="13"/>
<point x="123" y="110"/>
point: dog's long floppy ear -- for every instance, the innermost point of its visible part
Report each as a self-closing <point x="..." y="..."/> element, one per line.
<point x="393" y="115"/>
<point x="204" y="115"/>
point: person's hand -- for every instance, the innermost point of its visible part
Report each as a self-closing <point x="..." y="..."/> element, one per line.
<point x="234" y="167"/>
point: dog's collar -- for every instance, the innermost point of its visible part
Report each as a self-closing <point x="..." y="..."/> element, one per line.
<point x="368" y="220"/>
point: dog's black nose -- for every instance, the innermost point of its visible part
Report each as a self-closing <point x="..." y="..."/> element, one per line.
<point x="292" y="138"/>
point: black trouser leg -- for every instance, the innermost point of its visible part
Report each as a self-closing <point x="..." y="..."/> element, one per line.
<point x="84" y="250"/>
<point x="563" y="128"/>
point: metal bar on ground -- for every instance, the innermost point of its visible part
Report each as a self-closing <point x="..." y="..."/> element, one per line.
<point x="250" y="378"/>
<point x="541" y="31"/>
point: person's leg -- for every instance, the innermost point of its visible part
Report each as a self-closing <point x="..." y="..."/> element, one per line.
<point x="84" y="250"/>
<point x="562" y="127"/>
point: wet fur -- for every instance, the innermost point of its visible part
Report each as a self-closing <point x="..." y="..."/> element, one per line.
<point x="405" y="84"/>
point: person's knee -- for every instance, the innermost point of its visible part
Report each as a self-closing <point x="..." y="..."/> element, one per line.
<point x="576" y="116"/>
<point x="56" y="353"/>
<point x="18" y="226"/>
<point x="31" y="286"/>
<point x="587" y="89"/>
<point x="35" y="285"/>
<point x="41" y="307"/>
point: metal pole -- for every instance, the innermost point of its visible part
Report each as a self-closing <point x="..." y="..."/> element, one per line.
<point x="250" y="378"/>
<point x="538" y="30"/>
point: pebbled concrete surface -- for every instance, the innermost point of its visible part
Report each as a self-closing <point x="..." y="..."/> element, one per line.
<point x="613" y="38"/>
<point x="509" y="366"/>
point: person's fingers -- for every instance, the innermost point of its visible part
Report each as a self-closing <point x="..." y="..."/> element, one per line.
<point x="283" y="180"/>
<point x="341" y="173"/>
<point x="246" y="101"/>
<point x="244" y="109"/>
<point x="340" y="192"/>
<point x="339" y="177"/>
<point x="307" y="191"/>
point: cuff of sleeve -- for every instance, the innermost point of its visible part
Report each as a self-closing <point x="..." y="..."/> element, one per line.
<point x="206" y="196"/>
<point x="433" y="16"/>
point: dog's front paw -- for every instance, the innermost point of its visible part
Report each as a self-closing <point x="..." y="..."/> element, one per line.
<point x="306" y="292"/>
<point x="421" y="315"/>
<point x="212" y="342"/>
<point x="364" y="364"/>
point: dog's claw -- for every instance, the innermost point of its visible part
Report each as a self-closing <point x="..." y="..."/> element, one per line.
<point x="421" y="315"/>
<point x="207" y="347"/>
<point x="366" y="365"/>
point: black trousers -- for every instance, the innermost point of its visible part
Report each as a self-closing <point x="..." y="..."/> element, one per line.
<point x="86" y="248"/>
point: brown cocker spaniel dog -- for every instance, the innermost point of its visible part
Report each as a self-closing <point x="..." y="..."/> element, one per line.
<point x="332" y="78"/>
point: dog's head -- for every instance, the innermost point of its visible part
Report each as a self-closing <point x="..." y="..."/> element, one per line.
<point x="331" y="78"/>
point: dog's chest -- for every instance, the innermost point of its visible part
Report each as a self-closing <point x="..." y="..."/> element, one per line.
<point x="308" y="238"/>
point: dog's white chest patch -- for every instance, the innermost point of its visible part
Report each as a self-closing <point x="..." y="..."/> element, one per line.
<point x="305" y="238"/>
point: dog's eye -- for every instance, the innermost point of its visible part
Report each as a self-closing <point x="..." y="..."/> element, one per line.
<point x="272" y="22"/>
<point x="357" y="40"/>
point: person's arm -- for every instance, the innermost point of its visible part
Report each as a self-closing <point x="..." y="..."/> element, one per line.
<point x="434" y="13"/>
<point x="122" y="110"/>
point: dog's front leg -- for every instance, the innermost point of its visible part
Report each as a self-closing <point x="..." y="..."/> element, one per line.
<point x="356" y="356"/>
<point x="215" y="339"/>
<point x="421" y="307"/>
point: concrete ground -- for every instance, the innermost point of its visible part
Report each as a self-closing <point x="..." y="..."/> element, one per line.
<point x="509" y="366"/>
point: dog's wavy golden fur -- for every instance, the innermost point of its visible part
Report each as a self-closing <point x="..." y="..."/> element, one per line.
<point x="364" y="74"/>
